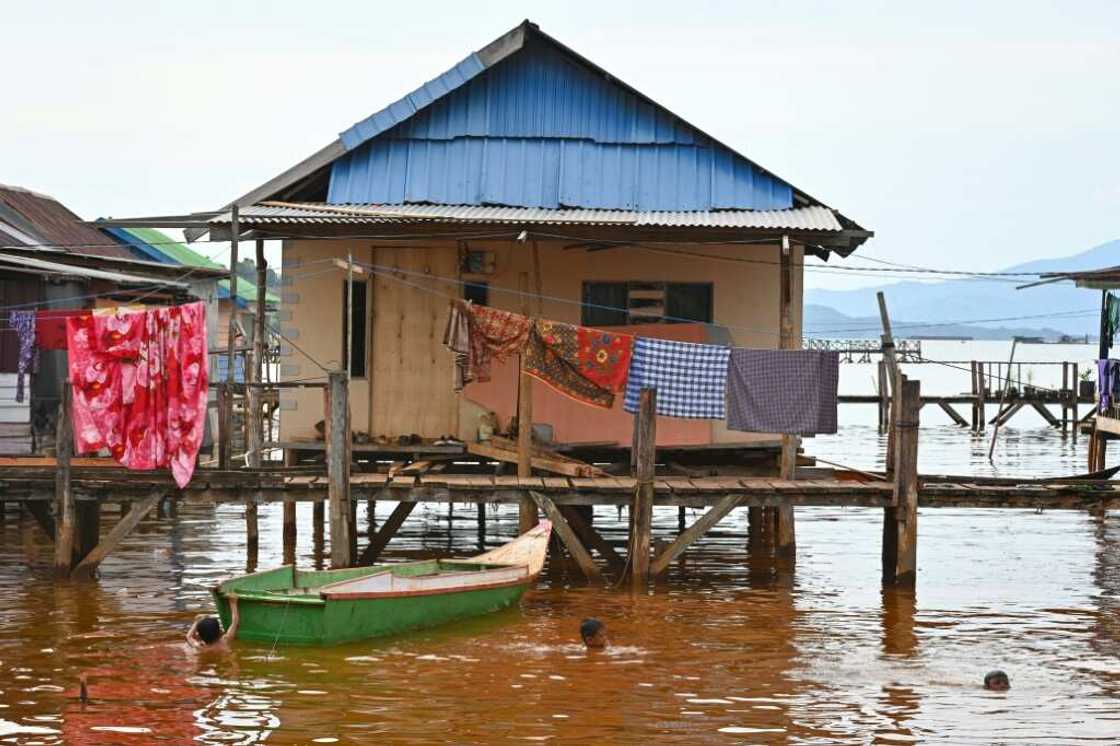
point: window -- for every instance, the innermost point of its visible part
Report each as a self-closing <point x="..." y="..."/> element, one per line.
<point x="357" y="320"/>
<point x="477" y="293"/>
<point x="637" y="302"/>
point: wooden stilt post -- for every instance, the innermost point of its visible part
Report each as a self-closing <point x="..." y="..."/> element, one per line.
<point x="1002" y="398"/>
<point x="1065" y="398"/>
<point x="231" y="340"/>
<point x="338" y="469"/>
<point x="884" y="398"/>
<point x="982" y="396"/>
<point x="527" y="512"/>
<point x="641" y="512"/>
<point x="317" y="521"/>
<point x="289" y="529"/>
<point x="225" y="439"/>
<point x="254" y="374"/>
<point x="63" y="492"/>
<point x="891" y="357"/>
<point x="785" y="537"/>
<point x="973" y="375"/>
<point x="900" y="523"/>
<point x="1075" y="420"/>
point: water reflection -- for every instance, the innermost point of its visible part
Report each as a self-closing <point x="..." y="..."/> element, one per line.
<point x="730" y="648"/>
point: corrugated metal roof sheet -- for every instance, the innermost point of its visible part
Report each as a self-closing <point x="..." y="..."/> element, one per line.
<point x="542" y="128"/>
<point x="811" y="218"/>
<point x="72" y="270"/>
<point x="51" y="223"/>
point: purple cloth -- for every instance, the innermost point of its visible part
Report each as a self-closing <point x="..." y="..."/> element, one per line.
<point x="782" y="391"/>
<point x="24" y="324"/>
<point x="1102" y="384"/>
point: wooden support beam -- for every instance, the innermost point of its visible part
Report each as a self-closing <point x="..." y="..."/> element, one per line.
<point x="527" y="513"/>
<point x="900" y="523"/>
<point x="1005" y="415"/>
<point x="1046" y="414"/>
<point x="113" y="539"/>
<point x="641" y="512"/>
<point x="556" y="464"/>
<point x="705" y="522"/>
<point x="387" y="531"/>
<point x="591" y="538"/>
<point x="63" y="491"/>
<point x="948" y="409"/>
<point x="568" y="536"/>
<point x="338" y="442"/>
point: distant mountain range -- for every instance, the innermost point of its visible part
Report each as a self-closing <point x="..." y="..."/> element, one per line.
<point x="933" y="309"/>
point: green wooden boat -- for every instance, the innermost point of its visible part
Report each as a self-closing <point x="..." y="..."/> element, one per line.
<point x="328" y="607"/>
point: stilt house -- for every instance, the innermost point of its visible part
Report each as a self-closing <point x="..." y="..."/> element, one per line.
<point x="528" y="178"/>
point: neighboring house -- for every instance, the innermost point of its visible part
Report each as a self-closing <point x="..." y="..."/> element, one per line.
<point x="528" y="178"/>
<point x="154" y="245"/>
<point x="51" y="259"/>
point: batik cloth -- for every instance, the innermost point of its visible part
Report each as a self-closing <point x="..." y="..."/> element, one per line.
<point x="554" y="356"/>
<point x="139" y="383"/>
<point x="28" y="361"/>
<point x="691" y="379"/>
<point x="604" y="357"/>
<point x="782" y="391"/>
<point x="492" y="334"/>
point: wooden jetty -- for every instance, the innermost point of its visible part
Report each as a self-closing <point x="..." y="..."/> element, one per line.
<point x="77" y="488"/>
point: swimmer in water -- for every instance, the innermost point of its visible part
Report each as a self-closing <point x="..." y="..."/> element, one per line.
<point x="206" y="632"/>
<point x="997" y="681"/>
<point x="593" y="633"/>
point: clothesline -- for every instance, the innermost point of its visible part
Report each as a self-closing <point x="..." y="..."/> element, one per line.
<point x="753" y="390"/>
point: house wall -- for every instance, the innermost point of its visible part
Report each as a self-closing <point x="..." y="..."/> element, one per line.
<point x="412" y="371"/>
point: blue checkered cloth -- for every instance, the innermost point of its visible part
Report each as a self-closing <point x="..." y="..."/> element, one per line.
<point x="783" y="391"/>
<point x="691" y="379"/>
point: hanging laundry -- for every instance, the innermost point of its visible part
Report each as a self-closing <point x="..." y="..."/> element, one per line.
<point x="493" y="335"/>
<point x="28" y="362"/>
<point x="782" y="391"/>
<point x="50" y="327"/>
<point x="1111" y="316"/>
<point x="566" y="357"/>
<point x="691" y="379"/>
<point x="140" y="386"/>
<point x="604" y="357"/>
<point x="457" y="338"/>
<point x="1103" y="387"/>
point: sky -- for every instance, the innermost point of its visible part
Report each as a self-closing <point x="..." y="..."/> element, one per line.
<point x="967" y="135"/>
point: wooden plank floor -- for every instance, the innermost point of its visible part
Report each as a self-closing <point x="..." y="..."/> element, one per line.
<point x="272" y="485"/>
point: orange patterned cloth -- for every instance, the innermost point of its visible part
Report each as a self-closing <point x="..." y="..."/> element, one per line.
<point x="478" y="335"/>
<point x="585" y="364"/>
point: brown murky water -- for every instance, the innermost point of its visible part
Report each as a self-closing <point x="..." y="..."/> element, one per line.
<point x="725" y="651"/>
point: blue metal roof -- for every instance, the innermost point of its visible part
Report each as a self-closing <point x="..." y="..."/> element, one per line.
<point x="542" y="128"/>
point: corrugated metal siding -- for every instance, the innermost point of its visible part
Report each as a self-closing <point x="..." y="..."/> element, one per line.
<point x="813" y="218"/>
<point x="542" y="130"/>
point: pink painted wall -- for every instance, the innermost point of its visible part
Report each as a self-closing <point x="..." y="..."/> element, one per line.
<point x="575" y="422"/>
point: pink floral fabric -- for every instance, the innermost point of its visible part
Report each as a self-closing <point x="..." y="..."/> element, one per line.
<point x="140" y="386"/>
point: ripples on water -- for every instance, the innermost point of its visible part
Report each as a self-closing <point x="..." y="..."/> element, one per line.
<point x="725" y="651"/>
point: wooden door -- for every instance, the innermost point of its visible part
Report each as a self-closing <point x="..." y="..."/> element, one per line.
<point x="411" y="368"/>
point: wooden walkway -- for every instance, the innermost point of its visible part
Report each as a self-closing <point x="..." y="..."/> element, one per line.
<point x="37" y="483"/>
